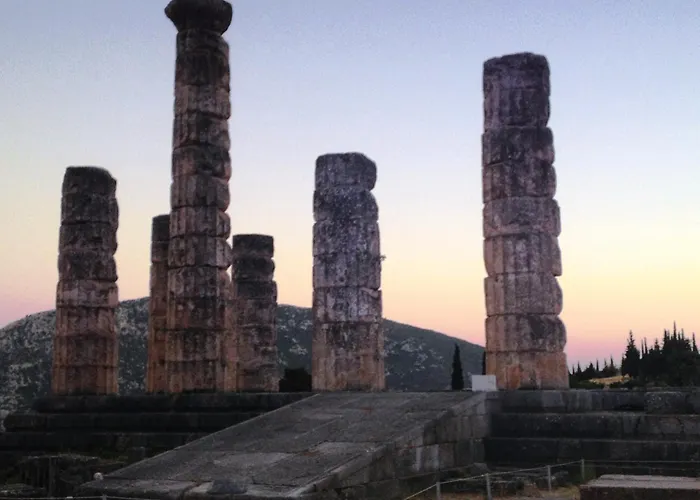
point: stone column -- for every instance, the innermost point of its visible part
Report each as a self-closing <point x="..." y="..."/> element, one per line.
<point x="85" y="347"/>
<point x="255" y="313"/>
<point x="525" y="337"/>
<point x="199" y="253"/>
<point x="348" y="339"/>
<point x="156" y="380"/>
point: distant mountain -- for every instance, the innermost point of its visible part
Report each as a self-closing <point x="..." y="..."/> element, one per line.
<point x="417" y="359"/>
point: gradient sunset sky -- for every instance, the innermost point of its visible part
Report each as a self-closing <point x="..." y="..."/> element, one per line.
<point x="91" y="83"/>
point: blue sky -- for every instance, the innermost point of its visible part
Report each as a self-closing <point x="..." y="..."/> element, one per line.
<point x="91" y="82"/>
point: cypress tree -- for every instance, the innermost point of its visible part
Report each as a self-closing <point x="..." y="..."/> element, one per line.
<point x="457" y="374"/>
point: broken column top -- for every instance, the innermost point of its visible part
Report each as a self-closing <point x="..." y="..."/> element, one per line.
<point x="160" y="228"/>
<point x="211" y="15"/>
<point x="260" y="244"/>
<point x="89" y="180"/>
<point x="345" y="170"/>
<point x="523" y="70"/>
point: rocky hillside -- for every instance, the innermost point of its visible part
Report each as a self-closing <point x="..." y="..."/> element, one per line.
<point x="417" y="359"/>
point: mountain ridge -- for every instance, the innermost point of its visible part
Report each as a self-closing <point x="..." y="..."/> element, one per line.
<point x="416" y="358"/>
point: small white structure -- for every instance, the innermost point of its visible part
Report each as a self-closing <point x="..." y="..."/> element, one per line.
<point x="484" y="383"/>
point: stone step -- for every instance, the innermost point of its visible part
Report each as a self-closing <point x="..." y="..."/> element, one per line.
<point x="97" y="442"/>
<point x="160" y="403"/>
<point x="628" y="487"/>
<point x="536" y="450"/>
<point x="595" y="468"/>
<point x="597" y="425"/>
<point x="127" y="422"/>
<point x="670" y="401"/>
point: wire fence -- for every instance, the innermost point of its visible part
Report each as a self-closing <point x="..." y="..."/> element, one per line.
<point x="514" y="482"/>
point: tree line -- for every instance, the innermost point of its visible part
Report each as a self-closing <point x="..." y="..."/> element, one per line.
<point x="672" y="361"/>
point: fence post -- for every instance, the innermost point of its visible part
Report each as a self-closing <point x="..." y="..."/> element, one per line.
<point x="549" y="478"/>
<point x="437" y="489"/>
<point x="488" y="486"/>
<point x="583" y="471"/>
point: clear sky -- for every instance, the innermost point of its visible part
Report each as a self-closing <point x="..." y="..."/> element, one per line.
<point x="91" y="83"/>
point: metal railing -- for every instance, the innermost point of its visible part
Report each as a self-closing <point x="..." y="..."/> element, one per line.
<point x="489" y="483"/>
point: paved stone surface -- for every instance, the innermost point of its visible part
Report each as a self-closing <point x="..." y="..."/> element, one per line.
<point x="624" y="487"/>
<point x="330" y="440"/>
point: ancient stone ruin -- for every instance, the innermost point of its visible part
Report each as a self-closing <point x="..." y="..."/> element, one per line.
<point x="156" y="380"/>
<point x="348" y="340"/>
<point x="85" y="349"/>
<point x="199" y="285"/>
<point x="525" y="337"/>
<point x="255" y="313"/>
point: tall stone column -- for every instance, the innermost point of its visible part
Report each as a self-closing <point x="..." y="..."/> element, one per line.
<point x="255" y="313"/>
<point x="348" y="339"/>
<point x="199" y="254"/>
<point x="156" y="380"/>
<point x="85" y="347"/>
<point x="525" y="337"/>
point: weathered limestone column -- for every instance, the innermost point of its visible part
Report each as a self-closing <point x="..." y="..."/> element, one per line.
<point x="255" y="313"/>
<point x="156" y="380"/>
<point x="348" y="339"/>
<point x="85" y="347"/>
<point x="525" y="337"/>
<point x="199" y="253"/>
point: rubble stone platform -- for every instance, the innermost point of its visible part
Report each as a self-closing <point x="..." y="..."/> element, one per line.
<point x="623" y="487"/>
<point x="330" y="445"/>
<point x="114" y="425"/>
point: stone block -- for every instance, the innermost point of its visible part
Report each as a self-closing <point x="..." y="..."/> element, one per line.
<point x="91" y="180"/>
<point x="512" y="216"/>
<point x="522" y="70"/>
<point x="99" y="321"/>
<point x="258" y="245"/>
<point x="198" y="251"/>
<point x="343" y="203"/>
<point x="666" y="402"/>
<point x="198" y="282"/>
<point x="252" y="268"/>
<point x="202" y="60"/>
<point x="249" y="290"/>
<point x="87" y="265"/>
<point x="516" y="107"/>
<point x="522" y="253"/>
<point x="200" y="130"/>
<point x="360" y="235"/>
<point x="79" y="208"/>
<point x="210" y="99"/>
<point x="523" y="293"/>
<point x="205" y="221"/>
<point x="528" y="177"/>
<point x="87" y="293"/>
<point x="211" y="17"/>
<point x="356" y="305"/>
<point x="200" y="190"/>
<point x="517" y="144"/>
<point x="525" y="332"/>
<point x="99" y="236"/>
<point x="347" y="269"/>
<point x="261" y="311"/>
<point x="528" y="370"/>
<point x="198" y="313"/>
<point x="196" y="160"/>
<point x="345" y="169"/>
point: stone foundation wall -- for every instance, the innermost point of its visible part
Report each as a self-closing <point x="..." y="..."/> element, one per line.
<point x="446" y="447"/>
